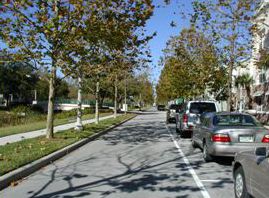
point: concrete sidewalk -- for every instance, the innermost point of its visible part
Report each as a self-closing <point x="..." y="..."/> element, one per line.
<point x="33" y="134"/>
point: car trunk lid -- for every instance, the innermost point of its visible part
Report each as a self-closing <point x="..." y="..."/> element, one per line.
<point x="242" y="134"/>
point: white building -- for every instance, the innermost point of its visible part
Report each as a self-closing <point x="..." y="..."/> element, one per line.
<point x="260" y="87"/>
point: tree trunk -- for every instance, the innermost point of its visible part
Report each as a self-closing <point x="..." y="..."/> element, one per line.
<point x="140" y="102"/>
<point x="79" y="126"/>
<point x="125" y="96"/>
<point x="249" y="97"/>
<point x="101" y="99"/>
<point x="231" y="66"/>
<point x="115" y="97"/>
<point x="97" y="103"/>
<point x="50" y="116"/>
<point x="230" y="81"/>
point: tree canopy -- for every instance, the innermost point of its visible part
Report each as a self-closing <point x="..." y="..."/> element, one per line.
<point x="191" y="67"/>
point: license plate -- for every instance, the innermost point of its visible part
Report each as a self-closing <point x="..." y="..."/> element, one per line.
<point x="246" y="139"/>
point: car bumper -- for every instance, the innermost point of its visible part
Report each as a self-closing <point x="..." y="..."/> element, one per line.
<point x="187" y="128"/>
<point x="171" y="119"/>
<point x="229" y="150"/>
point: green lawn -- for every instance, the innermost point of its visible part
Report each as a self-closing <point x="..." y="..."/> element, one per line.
<point x="5" y="131"/>
<point x="15" y="155"/>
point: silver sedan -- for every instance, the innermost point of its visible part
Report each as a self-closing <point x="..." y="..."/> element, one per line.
<point x="226" y="133"/>
<point x="250" y="171"/>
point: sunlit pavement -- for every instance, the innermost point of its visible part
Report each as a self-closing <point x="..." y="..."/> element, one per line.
<point x="137" y="159"/>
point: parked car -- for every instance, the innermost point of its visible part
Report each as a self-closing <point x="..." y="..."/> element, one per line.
<point x="161" y="107"/>
<point x="171" y="112"/>
<point x="250" y="172"/>
<point x="186" y="118"/>
<point x="226" y="133"/>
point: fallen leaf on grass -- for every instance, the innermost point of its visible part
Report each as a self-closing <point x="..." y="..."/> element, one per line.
<point x="43" y="142"/>
<point x="13" y="184"/>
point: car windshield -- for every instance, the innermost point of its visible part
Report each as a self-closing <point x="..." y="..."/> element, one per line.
<point x="201" y="107"/>
<point x="235" y="120"/>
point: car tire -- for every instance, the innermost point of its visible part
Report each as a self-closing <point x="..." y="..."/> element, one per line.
<point x="182" y="134"/>
<point x="207" y="157"/>
<point x="193" y="144"/>
<point x="177" y="130"/>
<point x="240" y="189"/>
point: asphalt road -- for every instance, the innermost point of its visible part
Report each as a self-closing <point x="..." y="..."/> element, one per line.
<point x="143" y="158"/>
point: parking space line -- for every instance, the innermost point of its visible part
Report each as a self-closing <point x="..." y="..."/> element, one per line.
<point x="189" y="167"/>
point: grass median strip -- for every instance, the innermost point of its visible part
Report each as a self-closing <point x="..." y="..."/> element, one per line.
<point x="5" y="131"/>
<point x="15" y="155"/>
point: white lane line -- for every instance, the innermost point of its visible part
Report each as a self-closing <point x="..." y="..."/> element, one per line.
<point x="189" y="167"/>
<point x="210" y="180"/>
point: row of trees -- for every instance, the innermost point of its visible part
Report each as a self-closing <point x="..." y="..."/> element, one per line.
<point x="24" y="83"/>
<point x="228" y="26"/>
<point x="191" y="67"/>
<point x="82" y="39"/>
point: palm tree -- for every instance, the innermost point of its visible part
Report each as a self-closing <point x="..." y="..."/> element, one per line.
<point x="245" y="80"/>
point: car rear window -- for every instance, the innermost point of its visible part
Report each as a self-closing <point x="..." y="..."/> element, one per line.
<point x="201" y="107"/>
<point x="235" y="120"/>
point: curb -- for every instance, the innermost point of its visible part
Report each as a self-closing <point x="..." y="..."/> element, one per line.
<point x="30" y="168"/>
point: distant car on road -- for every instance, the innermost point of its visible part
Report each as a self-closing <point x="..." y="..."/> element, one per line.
<point x="186" y="118"/>
<point x="161" y="107"/>
<point x="171" y="112"/>
<point x="226" y="133"/>
<point x="251" y="173"/>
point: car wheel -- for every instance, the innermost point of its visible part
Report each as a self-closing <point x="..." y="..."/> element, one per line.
<point x="193" y="144"/>
<point x="207" y="157"/>
<point x="240" y="189"/>
<point x="177" y="130"/>
<point x="182" y="134"/>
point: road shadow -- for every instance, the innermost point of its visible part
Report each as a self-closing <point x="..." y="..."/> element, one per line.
<point x="126" y="170"/>
<point x="138" y="134"/>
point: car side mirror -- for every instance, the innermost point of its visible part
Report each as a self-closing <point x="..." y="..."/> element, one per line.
<point x="261" y="154"/>
<point x="261" y="151"/>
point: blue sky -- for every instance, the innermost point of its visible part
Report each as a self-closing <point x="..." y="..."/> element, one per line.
<point x="160" y="22"/>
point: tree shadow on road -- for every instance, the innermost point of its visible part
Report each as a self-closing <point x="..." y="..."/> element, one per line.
<point x="128" y="170"/>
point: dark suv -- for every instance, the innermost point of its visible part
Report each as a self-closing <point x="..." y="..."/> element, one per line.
<point x="161" y="107"/>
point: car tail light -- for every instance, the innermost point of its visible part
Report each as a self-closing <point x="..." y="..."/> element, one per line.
<point x="265" y="139"/>
<point x="185" y="118"/>
<point x="221" y="138"/>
